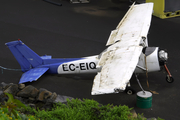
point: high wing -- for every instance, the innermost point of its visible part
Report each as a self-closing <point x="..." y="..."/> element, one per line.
<point x="119" y="61"/>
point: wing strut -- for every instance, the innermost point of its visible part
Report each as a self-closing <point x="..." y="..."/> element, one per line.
<point x="139" y="84"/>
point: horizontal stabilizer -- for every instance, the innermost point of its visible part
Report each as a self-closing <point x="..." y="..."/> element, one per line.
<point x="32" y="75"/>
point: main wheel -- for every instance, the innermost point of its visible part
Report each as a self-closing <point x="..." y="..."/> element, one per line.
<point x="169" y="79"/>
<point x="130" y="91"/>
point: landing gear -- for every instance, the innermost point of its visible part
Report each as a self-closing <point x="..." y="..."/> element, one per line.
<point x="130" y="91"/>
<point x="169" y="77"/>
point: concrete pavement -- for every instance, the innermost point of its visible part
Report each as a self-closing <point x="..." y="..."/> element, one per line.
<point x="78" y="30"/>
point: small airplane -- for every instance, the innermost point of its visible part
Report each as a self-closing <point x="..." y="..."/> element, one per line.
<point x="127" y="53"/>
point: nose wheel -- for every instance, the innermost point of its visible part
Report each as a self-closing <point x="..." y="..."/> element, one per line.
<point x="169" y="77"/>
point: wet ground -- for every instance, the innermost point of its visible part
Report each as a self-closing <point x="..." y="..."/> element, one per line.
<point x="78" y="30"/>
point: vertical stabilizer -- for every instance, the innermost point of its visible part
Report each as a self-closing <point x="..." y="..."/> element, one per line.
<point x="24" y="55"/>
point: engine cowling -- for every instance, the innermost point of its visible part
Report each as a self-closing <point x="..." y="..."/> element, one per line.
<point x="152" y="58"/>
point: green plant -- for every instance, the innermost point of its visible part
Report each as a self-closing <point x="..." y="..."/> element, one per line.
<point x="80" y="110"/>
<point x="12" y="105"/>
<point x="5" y="116"/>
<point x="86" y="109"/>
<point x="159" y="118"/>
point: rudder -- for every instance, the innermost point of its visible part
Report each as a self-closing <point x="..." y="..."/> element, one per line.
<point x="26" y="57"/>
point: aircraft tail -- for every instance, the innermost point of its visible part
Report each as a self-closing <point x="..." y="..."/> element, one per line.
<point x="24" y="55"/>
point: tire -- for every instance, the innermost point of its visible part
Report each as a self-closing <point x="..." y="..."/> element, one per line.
<point x="169" y="79"/>
<point x="130" y="91"/>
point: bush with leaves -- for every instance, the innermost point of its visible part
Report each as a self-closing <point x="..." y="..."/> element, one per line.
<point x="75" y="109"/>
<point x="19" y="116"/>
<point x="86" y="109"/>
<point x="12" y="105"/>
<point x="9" y="110"/>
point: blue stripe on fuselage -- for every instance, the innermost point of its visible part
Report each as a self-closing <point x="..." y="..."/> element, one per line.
<point x="53" y="64"/>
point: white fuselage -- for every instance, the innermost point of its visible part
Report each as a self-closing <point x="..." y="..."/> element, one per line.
<point x="88" y="64"/>
<point x="84" y="65"/>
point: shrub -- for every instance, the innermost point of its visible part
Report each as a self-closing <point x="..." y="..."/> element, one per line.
<point x="12" y="104"/>
<point x="4" y="115"/>
<point x="85" y="110"/>
<point x="75" y="109"/>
